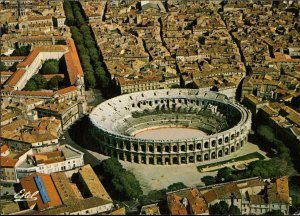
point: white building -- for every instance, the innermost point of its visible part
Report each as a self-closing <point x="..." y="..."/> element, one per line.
<point x="48" y="160"/>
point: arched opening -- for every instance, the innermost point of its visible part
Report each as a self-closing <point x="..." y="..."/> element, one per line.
<point x="242" y="143"/>
<point x="220" y="153"/>
<point x="121" y="156"/>
<point x="143" y="148"/>
<point x="135" y="147"/>
<point x="143" y="160"/>
<point x="158" y="148"/>
<point x="167" y="148"/>
<point x="226" y="139"/>
<point x="232" y="149"/>
<point x="167" y="161"/>
<point x="206" y="157"/>
<point x="199" y="146"/>
<point x="175" y="149"/>
<point x="121" y="146"/>
<point x="237" y="146"/>
<point x="115" y="154"/>
<point x="191" y="159"/>
<point x="151" y="149"/>
<point x="182" y="148"/>
<point x="175" y="160"/>
<point x="199" y="158"/>
<point x="213" y="155"/>
<point x="232" y="137"/>
<point x="128" y="146"/>
<point x="183" y="159"/>
<point x="220" y="141"/>
<point x="191" y="147"/>
<point x="151" y="160"/>
<point x="128" y="157"/>
<point x="158" y="160"/>
<point x="206" y="144"/>
<point x="226" y="151"/>
<point x="136" y="159"/>
<point x="213" y="143"/>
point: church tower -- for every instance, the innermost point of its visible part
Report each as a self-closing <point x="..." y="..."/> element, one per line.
<point x="21" y="9"/>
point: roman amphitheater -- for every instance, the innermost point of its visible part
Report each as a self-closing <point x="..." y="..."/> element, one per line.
<point x="170" y="126"/>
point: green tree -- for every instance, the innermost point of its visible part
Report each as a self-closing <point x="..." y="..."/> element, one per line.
<point x="121" y="183"/>
<point x="55" y="83"/>
<point x="22" y="51"/>
<point x="13" y="68"/>
<point x="220" y="208"/>
<point x="50" y="66"/>
<point x="31" y="85"/>
<point x="274" y="212"/>
<point x="208" y="180"/>
<point x="224" y="175"/>
<point x="176" y="186"/>
<point x="126" y="186"/>
<point x="2" y="66"/>
<point x="40" y="81"/>
<point x="234" y="210"/>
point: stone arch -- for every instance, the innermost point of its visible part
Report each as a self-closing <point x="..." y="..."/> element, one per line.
<point x="213" y="155"/>
<point x="182" y="148"/>
<point x="158" y="148"/>
<point x="183" y="159"/>
<point x="191" y="159"/>
<point x="121" y="156"/>
<point x="206" y="144"/>
<point x="206" y="156"/>
<point x="198" y="146"/>
<point x="167" y="148"/>
<point x="175" y="160"/>
<point x="226" y="139"/>
<point x="213" y="143"/>
<point x="232" y="149"/>
<point x="175" y="149"/>
<point x="128" y="157"/>
<point x="151" y="160"/>
<point x="199" y="157"/>
<point x="220" y="153"/>
<point x="220" y="141"/>
<point x="136" y="147"/>
<point x="159" y="160"/>
<point x="191" y="147"/>
<point x="237" y="146"/>
<point x="232" y="137"/>
<point x="128" y="146"/>
<point x="151" y="148"/>
<point x="167" y="161"/>
<point x="226" y="151"/>
<point x="143" y="147"/>
<point x="136" y="158"/>
<point x="143" y="160"/>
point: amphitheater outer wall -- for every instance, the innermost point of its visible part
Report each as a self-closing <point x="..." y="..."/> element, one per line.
<point x="167" y="152"/>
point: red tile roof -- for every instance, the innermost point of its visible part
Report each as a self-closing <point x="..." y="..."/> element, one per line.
<point x="66" y="90"/>
<point x="8" y="161"/>
<point x="29" y="184"/>
<point x="72" y="61"/>
<point x="13" y="80"/>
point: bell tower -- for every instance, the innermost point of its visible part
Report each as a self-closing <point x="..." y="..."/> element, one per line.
<point x="21" y="9"/>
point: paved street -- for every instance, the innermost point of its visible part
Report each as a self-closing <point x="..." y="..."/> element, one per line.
<point x="153" y="177"/>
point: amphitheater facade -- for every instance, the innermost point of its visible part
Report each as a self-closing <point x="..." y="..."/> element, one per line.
<point x="116" y="122"/>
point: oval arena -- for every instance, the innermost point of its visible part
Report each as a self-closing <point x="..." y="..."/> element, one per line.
<point x="170" y="126"/>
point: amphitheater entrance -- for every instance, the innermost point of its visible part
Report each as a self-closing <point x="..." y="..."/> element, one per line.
<point x="170" y="133"/>
<point x="175" y="160"/>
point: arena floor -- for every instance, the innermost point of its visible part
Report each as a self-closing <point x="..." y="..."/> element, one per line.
<point x="170" y="133"/>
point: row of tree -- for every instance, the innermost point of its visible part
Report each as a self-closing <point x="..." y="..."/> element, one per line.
<point x="91" y="61"/>
<point x="120" y="183"/>
<point x="38" y="82"/>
